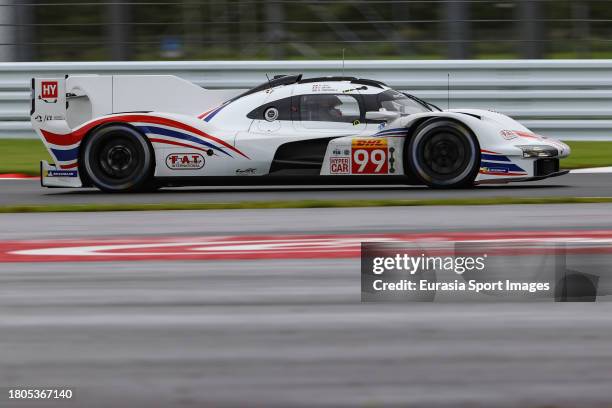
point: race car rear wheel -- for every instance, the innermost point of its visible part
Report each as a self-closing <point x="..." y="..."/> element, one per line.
<point x="118" y="158"/>
<point x="443" y="154"/>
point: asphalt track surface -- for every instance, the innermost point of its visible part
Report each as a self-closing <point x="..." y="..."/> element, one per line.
<point x="571" y="185"/>
<point x="287" y="332"/>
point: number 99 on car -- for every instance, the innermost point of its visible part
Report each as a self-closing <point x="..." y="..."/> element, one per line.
<point x="369" y="156"/>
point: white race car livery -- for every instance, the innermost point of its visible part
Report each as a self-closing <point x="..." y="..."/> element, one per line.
<point x="127" y="133"/>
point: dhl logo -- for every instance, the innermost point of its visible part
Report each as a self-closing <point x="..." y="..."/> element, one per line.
<point x="361" y="143"/>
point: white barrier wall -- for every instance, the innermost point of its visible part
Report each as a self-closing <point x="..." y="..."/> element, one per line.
<point x="569" y="99"/>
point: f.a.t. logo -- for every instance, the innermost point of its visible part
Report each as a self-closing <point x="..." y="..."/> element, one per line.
<point x="185" y="161"/>
<point x="49" y="91"/>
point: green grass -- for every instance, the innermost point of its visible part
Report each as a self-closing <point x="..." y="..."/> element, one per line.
<point x="23" y="156"/>
<point x="298" y="204"/>
<point x="588" y="154"/>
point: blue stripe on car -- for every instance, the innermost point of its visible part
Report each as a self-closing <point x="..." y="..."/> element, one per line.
<point x="383" y="132"/>
<point x="66" y="155"/>
<point x="213" y="113"/>
<point x="485" y="156"/>
<point x="506" y="166"/>
<point x="173" y="133"/>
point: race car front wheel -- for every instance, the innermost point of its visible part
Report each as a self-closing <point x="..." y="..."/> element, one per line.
<point x="117" y="158"/>
<point x="443" y="154"/>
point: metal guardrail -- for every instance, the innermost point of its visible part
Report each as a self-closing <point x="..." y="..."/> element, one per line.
<point x="569" y="99"/>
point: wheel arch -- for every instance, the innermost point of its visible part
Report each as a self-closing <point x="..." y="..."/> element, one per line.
<point x="414" y="125"/>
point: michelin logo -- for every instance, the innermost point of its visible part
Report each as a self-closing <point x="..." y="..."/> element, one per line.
<point x="61" y="173"/>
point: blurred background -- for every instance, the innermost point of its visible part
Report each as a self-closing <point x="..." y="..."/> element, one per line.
<point x="77" y="30"/>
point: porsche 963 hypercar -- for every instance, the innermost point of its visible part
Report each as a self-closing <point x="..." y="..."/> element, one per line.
<point x="127" y="133"/>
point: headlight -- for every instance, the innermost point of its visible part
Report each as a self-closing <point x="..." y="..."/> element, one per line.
<point x="539" y="151"/>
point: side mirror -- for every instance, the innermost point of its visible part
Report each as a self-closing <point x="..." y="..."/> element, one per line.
<point x="382" y="114"/>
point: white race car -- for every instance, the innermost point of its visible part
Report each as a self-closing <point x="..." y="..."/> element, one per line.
<point x="128" y="133"/>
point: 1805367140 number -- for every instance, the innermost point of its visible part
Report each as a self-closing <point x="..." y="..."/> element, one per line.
<point x="39" y="393"/>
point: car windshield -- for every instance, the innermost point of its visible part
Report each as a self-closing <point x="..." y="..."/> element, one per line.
<point x="398" y="102"/>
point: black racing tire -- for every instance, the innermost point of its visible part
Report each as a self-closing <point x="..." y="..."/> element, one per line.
<point x="117" y="158"/>
<point x="443" y="154"/>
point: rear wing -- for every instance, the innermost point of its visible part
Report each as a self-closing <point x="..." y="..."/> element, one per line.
<point x="80" y="98"/>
